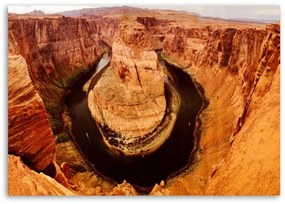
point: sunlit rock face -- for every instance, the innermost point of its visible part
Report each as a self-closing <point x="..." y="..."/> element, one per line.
<point x="29" y="135"/>
<point x="22" y="181"/>
<point x="129" y="99"/>
<point x="233" y="66"/>
<point x="58" y="51"/>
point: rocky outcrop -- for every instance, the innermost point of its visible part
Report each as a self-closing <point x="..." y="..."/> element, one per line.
<point x="159" y="190"/>
<point x="123" y="189"/>
<point x="29" y="135"/>
<point x="22" y="181"/>
<point x="131" y="108"/>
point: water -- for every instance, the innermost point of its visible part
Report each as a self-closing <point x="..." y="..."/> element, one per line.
<point x="142" y="172"/>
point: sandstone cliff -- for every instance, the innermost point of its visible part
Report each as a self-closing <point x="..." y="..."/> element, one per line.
<point x="228" y="65"/>
<point x="252" y="165"/>
<point x="58" y="50"/>
<point x="29" y="135"/>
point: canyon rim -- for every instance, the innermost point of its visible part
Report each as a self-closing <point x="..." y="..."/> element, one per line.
<point x="136" y="101"/>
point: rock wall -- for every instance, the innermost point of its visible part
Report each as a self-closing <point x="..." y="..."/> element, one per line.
<point x="29" y="132"/>
<point x="58" y="50"/>
<point x="252" y="165"/>
<point x="228" y="65"/>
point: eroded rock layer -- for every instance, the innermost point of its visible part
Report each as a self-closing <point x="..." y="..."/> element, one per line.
<point x="229" y="66"/>
<point x="129" y="100"/>
<point x="58" y="51"/>
<point x="29" y="135"/>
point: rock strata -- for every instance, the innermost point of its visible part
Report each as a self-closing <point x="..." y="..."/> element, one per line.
<point x="131" y="108"/>
<point x="231" y="67"/>
<point x="58" y="50"/>
<point x="29" y="135"/>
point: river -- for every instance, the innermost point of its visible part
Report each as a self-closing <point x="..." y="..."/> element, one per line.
<point x="142" y="172"/>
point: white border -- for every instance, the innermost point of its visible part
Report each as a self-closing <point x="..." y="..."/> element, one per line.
<point x="3" y="109"/>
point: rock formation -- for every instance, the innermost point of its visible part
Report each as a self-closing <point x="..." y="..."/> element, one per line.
<point x="237" y="64"/>
<point x="124" y="189"/>
<point x="23" y="181"/>
<point x="58" y="50"/>
<point x="133" y="106"/>
<point x="30" y="135"/>
<point x="230" y="70"/>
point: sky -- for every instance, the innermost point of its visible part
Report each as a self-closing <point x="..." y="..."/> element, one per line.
<point x="261" y="12"/>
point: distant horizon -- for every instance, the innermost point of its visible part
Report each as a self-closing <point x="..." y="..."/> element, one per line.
<point x="261" y="13"/>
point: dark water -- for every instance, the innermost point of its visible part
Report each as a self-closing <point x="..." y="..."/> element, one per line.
<point x="142" y="172"/>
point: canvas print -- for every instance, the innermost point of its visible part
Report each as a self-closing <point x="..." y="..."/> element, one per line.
<point x="144" y="100"/>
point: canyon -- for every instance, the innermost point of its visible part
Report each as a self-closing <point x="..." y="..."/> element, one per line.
<point x="234" y="65"/>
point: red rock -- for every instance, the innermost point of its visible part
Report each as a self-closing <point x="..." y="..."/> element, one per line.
<point x="24" y="182"/>
<point x="29" y="134"/>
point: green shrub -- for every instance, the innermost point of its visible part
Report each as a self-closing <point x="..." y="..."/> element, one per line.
<point x="62" y="137"/>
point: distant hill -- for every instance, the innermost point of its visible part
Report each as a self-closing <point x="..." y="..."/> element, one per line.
<point x="120" y="10"/>
<point x="103" y="11"/>
<point x="244" y="20"/>
<point x="36" y="13"/>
